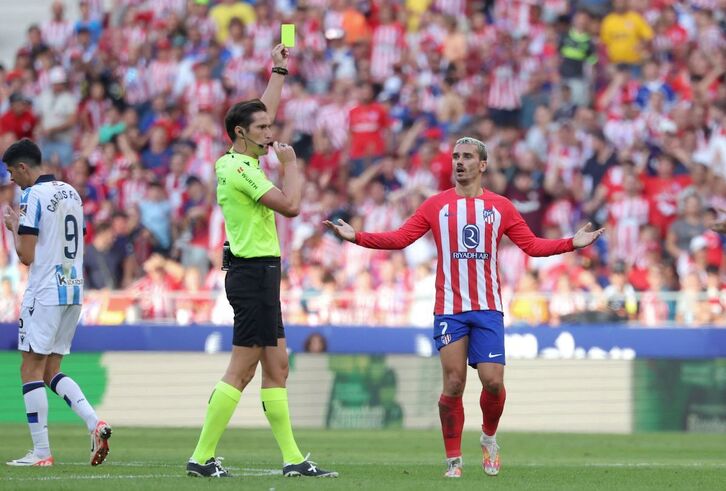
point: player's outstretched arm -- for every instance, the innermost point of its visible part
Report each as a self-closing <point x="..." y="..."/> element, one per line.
<point x="586" y="236"/>
<point x="342" y="229"/>
<point x="409" y="232"/>
<point x="271" y="96"/>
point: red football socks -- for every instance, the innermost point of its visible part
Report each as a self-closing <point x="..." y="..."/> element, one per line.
<point x="492" y="406"/>
<point x="451" y="412"/>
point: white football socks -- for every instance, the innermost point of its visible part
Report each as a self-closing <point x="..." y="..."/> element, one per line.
<point x="36" y="410"/>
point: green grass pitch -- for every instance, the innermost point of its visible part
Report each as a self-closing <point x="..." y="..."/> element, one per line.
<point x="378" y="460"/>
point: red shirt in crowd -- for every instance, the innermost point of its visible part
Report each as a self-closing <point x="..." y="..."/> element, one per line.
<point x="367" y="124"/>
<point x="662" y="195"/>
<point x="22" y="125"/>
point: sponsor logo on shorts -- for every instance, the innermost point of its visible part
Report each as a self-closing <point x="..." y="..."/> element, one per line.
<point x="63" y="280"/>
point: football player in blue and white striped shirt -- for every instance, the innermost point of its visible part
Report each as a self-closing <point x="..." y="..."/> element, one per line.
<point x="48" y="235"/>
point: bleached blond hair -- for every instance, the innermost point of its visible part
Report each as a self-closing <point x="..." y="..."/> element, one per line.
<point x="480" y="147"/>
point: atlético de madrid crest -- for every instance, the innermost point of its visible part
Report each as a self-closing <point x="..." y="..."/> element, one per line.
<point x="488" y="215"/>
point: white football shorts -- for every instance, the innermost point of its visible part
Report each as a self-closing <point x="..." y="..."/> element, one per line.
<point x="47" y="329"/>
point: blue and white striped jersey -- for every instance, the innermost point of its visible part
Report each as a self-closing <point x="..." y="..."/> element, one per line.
<point x="53" y="211"/>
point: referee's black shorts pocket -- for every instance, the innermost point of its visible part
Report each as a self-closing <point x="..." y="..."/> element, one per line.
<point x="271" y="285"/>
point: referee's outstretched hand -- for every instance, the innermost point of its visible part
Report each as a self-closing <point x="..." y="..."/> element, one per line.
<point x="584" y="237"/>
<point x="285" y="153"/>
<point x="342" y="229"/>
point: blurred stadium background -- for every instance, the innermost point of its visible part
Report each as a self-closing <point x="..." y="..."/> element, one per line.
<point x="589" y="115"/>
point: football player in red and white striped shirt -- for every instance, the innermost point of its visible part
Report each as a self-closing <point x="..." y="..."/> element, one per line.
<point x="468" y="223"/>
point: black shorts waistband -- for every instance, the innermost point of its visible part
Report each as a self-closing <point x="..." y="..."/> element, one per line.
<point x="255" y="260"/>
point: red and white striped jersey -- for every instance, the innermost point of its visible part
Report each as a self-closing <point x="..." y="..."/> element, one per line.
<point x="513" y="15"/>
<point x="627" y="215"/>
<point x="564" y="214"/>
<point x="332" y="119"/>
<point x="131" y="192"/>
<point x="300" y="112"/>
<point x="133" y="80"/>
<point x="161" y="76"/>
<point x="711" y="40"/>
<point x="209" y="147"/>
<point x="388" y="42"/>
<point x="505" y="90"/>
<point x="95" y="8"/>
<point x="95" y="111"/>
<point x="175" y="186"/>
<point x="241" y="75"/>
<point x="57" y="34"/>
<point x="625" y="133"/>
<point x="467" y="232"/>
<point x="204" y="95"/>
<point x="263" y="34"/>
<point x="456" y="8"/>
<point x="565" y="160"/>
<point x="163" y="8"/>
<point x="134" y="36"/>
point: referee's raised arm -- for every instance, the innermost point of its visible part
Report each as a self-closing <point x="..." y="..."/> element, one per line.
<point x="271" y="96"/>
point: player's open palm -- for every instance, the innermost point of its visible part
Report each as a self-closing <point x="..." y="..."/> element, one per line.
<point x="10" y="218"/>
<point x="342" y="229"/>
<point x="586" y="236"/>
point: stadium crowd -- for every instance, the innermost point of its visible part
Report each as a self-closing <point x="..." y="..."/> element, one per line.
<point x="610" y="112"/>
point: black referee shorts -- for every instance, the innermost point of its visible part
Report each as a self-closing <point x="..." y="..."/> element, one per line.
<point x="253" y="290"/>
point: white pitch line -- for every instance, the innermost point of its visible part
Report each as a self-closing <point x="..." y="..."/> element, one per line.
<point x="246" y="473"/>
<point x="246" y="470"/>
<point x="624" y="464"/>
<point x="99" y="476"/>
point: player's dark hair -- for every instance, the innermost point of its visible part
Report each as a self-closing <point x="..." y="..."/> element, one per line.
<point x="25" y="151"/>
<point x="241" y="115"/>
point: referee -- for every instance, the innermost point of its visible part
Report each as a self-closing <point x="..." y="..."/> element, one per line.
<point x="249" y="202"/>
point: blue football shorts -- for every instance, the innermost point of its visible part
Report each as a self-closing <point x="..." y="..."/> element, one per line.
<point x="484" y="329"/>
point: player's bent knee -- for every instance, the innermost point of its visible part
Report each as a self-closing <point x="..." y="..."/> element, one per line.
<point x="454" y="384"/>
<point x="493" y="385"/>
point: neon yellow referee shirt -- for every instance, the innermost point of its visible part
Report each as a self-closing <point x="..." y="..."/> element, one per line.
<point x="249" y="224"/>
